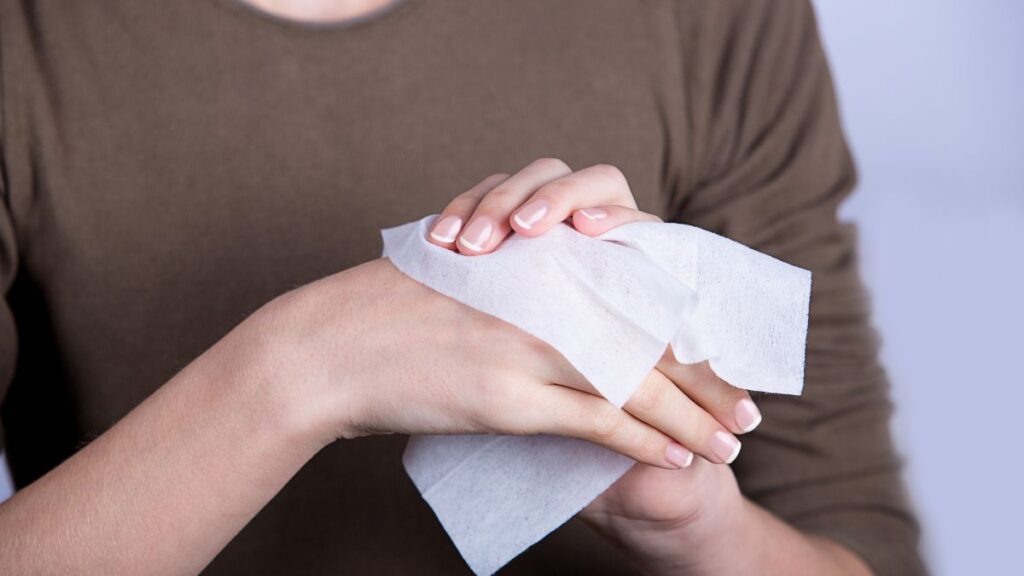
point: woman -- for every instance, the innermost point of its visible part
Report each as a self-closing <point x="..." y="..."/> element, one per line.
<point x="183" y="180"/>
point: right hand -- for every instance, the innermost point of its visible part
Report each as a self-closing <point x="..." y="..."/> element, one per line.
<point x="391" y="355"/>
<point x="702" y="412"/>
<point x="372" y="351"/>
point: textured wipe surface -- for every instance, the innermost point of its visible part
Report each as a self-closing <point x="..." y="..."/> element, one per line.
<point x="610" y="305"/>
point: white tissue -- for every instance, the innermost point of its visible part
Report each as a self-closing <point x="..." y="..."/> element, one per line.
<point x="610" y="305"/>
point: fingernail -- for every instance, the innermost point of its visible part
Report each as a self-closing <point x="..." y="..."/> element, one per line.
<point x="446" y="229"/>
<point x="477" y="234"/>
<point x="725" y="446"/>
<point x="594" y="213"/>
<point x="747" y="415"/>
<point x="678" y="456"/>
<point x="529" y="215"/>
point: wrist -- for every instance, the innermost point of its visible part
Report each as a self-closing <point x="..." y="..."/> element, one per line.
<point x="691" y="543"/>
<point x="702" y="545"/>
<point x="320" y="346"/>
<point x="740" y="537"/>
<point x="716" y="539"/>
<point x="276" y="353"/>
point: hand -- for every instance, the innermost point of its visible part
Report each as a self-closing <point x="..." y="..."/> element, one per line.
<point x="365" y="351"/>
<point x="371" y="351"/>
<point x="531" y="201"/>
<point x="669" y="520"/>
<point x="700" y="411"/>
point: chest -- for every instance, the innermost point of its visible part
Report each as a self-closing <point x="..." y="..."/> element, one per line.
<point x="184" y="181"/>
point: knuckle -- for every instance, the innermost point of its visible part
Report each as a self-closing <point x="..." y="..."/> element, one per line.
<point x="557" y="189"/>
<point x="498" y="406"/>
<point x="609" y="172"/>
<point x="521" y="420"/>
<point x="694" y="426"/>
<point x="647" y="398"/>
<point x="505" y="422"/>
<point x="499" y="196"/>
<point x="550" y="164"/>
<point x="607" y="424"/>
<point x="495" y="179"/>
<point x="539" y="348"/>
<point x="494" y="391"/>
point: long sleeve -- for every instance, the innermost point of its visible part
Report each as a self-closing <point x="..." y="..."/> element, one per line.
<point x="765" y="163"/>
<point x="8" y="268"/>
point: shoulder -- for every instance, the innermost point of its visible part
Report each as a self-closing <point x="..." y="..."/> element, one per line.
<point x="757" y="21"/>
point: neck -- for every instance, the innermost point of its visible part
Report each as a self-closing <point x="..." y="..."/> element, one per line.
<point x="319" y="10"/>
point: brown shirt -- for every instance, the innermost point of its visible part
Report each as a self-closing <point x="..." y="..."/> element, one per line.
<point x="169" y="166"/>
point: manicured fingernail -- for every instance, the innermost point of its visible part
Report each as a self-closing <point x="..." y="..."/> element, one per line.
<point x="446" y="229"/>
<point x="678" y="456"/>
<point x="529" y="215"/>
<point x="747" y="415"/>
<point x="477" y="234"/>
<point x="594" y="213"/>
<point x="725" y="446"/>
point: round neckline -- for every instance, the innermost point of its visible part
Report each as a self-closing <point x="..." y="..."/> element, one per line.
<point x="251" y="11"/>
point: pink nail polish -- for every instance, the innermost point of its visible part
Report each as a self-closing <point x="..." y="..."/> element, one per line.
<point x="528" y="216"/>
<point x="678" y="456"/>
<point x="747" y="415"/>
<point x="594" y="213"/>
<point x="725" y="446"/>
<point x="477" y="234"/>
<point x="446" y="229"/>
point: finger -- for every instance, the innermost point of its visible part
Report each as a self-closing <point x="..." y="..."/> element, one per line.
<point x="600" y="185"/>
<point x="489" y="224"/>
<point x="659" y="403"/>
<point x="567" y="412"/>
<point x="729" y="405"/>
<point x="600" y="219"/>
<point x="447" y="226"/>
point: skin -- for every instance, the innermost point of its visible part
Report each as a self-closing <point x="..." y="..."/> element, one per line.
<point x="320" y="10"/>
<point x="166" y="488"/>
<point x="691" y="520"/>
<point x="701" y="412"/>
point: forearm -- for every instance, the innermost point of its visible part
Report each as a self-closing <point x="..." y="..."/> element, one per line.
<point x="168" y="486"/>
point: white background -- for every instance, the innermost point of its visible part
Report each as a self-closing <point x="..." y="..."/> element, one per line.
<point x="932" y="94"/>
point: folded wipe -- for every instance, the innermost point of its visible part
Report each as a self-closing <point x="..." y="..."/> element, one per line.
<point x="610" y="305"/>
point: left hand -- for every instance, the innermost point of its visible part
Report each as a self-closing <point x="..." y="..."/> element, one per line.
<point x="664" y="518"/>
<point x="531" y="201"/>
<point x="651" y="512"/>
